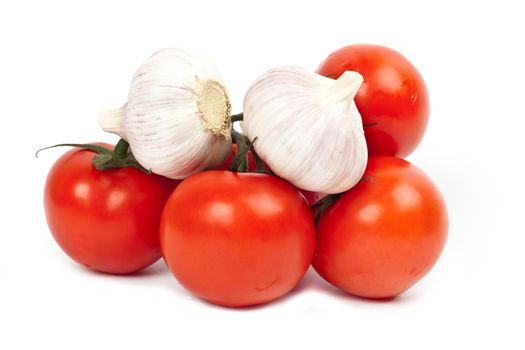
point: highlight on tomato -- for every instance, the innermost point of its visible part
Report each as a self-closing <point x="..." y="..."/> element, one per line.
<point x="107" y="219"/>
<point x="237" y="239"/>
<point x="393" y="100"/>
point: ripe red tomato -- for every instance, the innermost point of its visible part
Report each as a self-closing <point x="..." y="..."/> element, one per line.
<point x="106" y="220"/>
<point x="393" y="95"/>
<point x="237" y="239"/>
<point x="383" y="235"/>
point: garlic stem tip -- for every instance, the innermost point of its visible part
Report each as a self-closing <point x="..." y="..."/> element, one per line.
<point x="347" y="85"/>
<point x="111" y="120"/>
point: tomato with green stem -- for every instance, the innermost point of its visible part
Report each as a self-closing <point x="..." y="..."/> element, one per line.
<point x="237" y="239"/>
<point x="107" y="219"/>
<point x="382" y="236"/>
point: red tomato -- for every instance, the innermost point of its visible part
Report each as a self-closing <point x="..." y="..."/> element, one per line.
<point x="393" y="96"/>
<point x="383" y="235"/>
<point x="106" y="220"/>
<point x="237" y="239"/>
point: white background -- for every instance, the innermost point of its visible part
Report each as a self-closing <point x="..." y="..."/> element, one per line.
<point x="63" y="62"/>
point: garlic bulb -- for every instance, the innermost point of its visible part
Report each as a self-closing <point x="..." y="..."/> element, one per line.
<point x="177" y="117"/>
<point x="308" y="128"/>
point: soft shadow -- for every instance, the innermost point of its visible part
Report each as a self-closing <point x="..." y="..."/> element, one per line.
<point x="312" y="281"/>
<point x="179" y="289"/>
<point x="247" y="308"/>
<point x="158" y="268"/>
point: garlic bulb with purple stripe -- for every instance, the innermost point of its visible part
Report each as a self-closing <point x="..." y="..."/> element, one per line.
<point x="307" y="127"/>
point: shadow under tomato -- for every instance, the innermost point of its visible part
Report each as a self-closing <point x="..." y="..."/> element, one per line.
<point x="156" y="269"/>
<point x="313" y="282"/>
<point x="266" y="305"/>
<point x="310" y="282"/>
<point x="273" y="303"/>
<point x="174" y="285"/>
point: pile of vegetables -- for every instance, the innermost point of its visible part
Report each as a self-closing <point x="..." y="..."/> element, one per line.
<point x="316" y="177"/>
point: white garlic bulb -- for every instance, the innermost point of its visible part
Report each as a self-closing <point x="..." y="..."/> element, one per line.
<point x="177" y="118"/>
<point x="308" y="128"/>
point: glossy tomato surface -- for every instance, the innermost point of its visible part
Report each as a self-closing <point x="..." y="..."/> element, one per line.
<point x="105" y="220"/>
<point x="385" y="234"/>
<point x="393" y="96"/>
<point x="237" y="239"/>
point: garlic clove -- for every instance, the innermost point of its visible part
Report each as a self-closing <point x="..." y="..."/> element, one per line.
<point x="308" y="128"/>
<point x="177" y="117"/>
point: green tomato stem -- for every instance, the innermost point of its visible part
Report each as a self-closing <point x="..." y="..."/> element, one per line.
<point x="237" y="117"/>
<point x="323" y="204"/>
<point x="120" y="157"/>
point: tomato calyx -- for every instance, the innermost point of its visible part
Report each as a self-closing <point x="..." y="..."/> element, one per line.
<point x="119" y="157"/>
<point x="369" y="124"/>
<point x="327" y="201"/>
<point x="244" y="145"/>
<point x="240" y="160"/>
<point x="324" y="203"/>
<point x="237" y="117"/>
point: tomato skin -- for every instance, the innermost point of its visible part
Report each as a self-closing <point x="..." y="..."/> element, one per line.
<point x="393" y="95"/>
<point x="105" y="220"/>
<point x="237" y="239"/>
<point x="383" y="235"/>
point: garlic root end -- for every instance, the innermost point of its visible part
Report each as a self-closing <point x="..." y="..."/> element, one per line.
<point x="214" y="108"/>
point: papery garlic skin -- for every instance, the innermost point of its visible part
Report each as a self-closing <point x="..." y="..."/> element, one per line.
<point x="177" y="118"/>
<point x="307" y="127"/>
